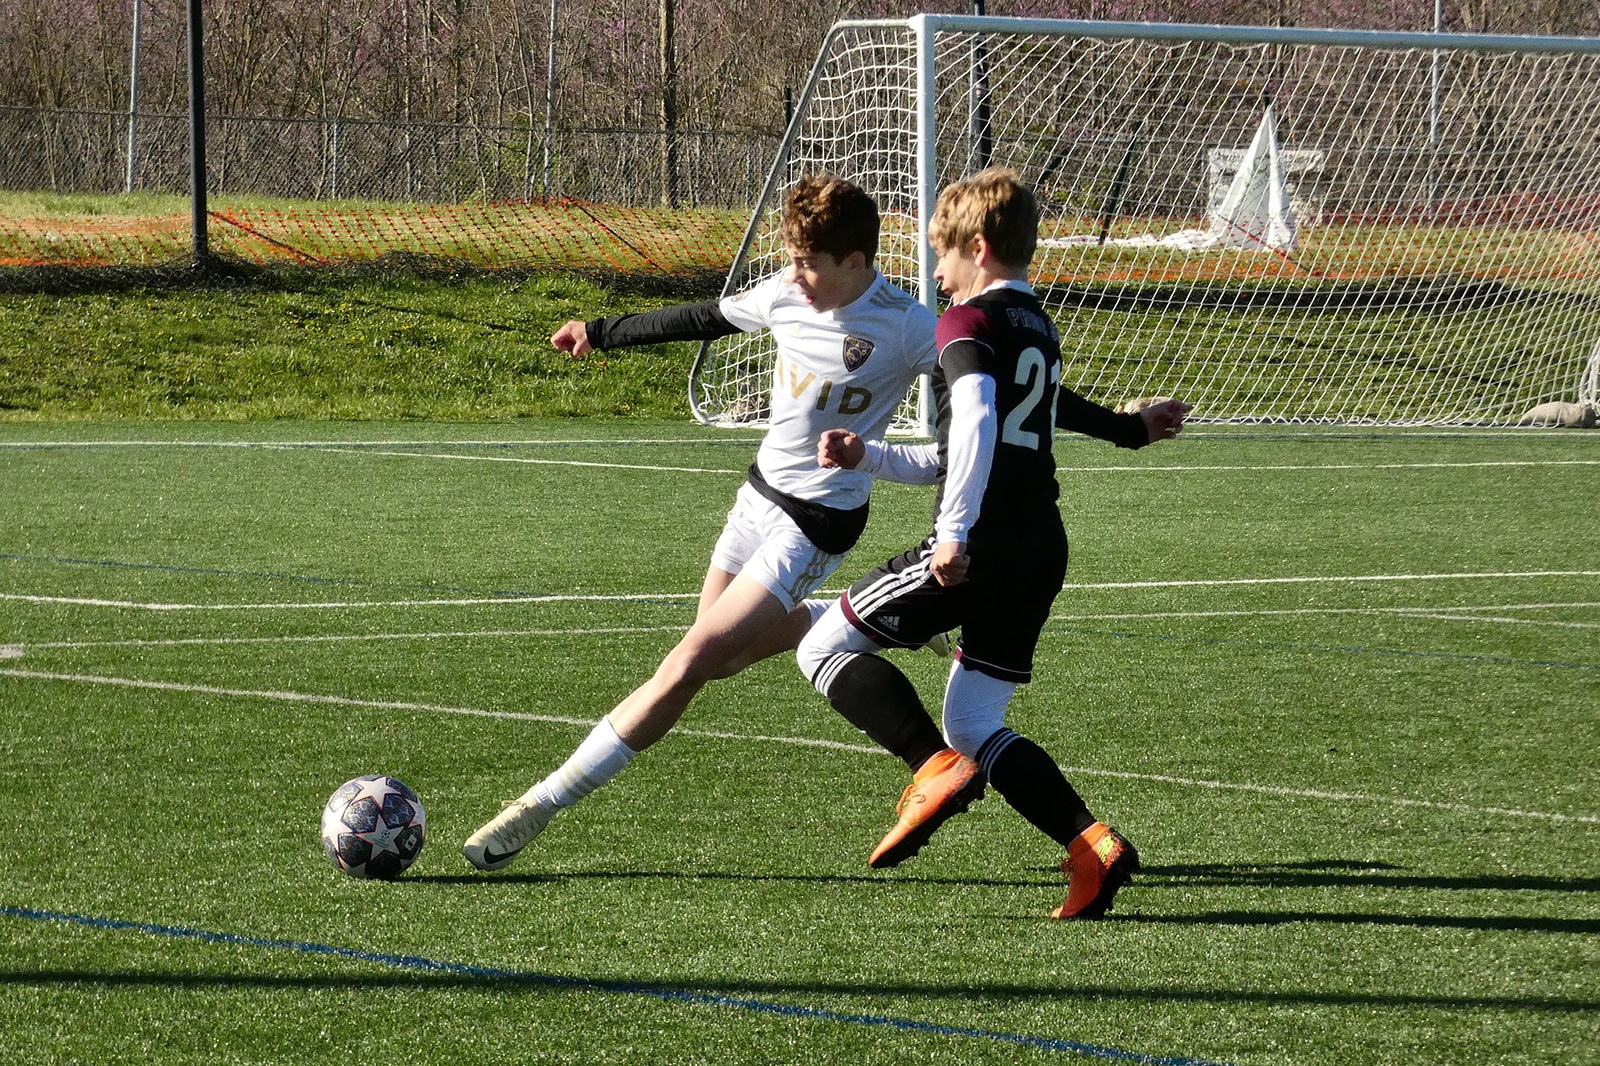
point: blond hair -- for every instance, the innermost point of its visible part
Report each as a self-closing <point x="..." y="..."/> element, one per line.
<point x="993" y="204"/>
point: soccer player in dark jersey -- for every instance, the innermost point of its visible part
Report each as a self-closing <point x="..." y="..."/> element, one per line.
<point x="998" y="553"/>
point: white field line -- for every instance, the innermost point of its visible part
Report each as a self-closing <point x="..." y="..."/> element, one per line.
<point x="375" y="448"/>
<point x="808" y="742"/>
<point x="1553" y="623"/>
<point x="1452" y="613"/>
<point x="1187" y="468"/>
<point x="16" y="651"/>
<point x="1337" y="797"/>
<point x="679" y="596"/>
<point x="1192" y="432"/>
<point x="400" y="705"/>
<point x="526" y="460"/>
<point x="338" y="606"/>
<point x="1456" y="613"/>
<point x="1198" y="468"/>
<point x="1330" y="580"/>
<point x="1195" y="468"/>
<point x="316" y="444"/>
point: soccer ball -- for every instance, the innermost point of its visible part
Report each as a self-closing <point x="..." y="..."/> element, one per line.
<point x="373" y="827"/>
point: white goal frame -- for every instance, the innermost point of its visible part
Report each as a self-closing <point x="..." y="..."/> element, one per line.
<point x="1460" y="288"/>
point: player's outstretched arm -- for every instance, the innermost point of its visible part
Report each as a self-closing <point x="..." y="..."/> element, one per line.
<point x="1078" y="414"/>
<point x="703" y="321"/>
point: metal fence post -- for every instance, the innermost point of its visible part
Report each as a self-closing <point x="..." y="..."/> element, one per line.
<point x="333" y="165"/>
<point x="197" y="135"/>
<point x="133" y="94"/>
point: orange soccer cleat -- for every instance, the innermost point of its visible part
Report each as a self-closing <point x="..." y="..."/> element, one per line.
<point x="1099" y="861"/>
<point x="946" y="785"/>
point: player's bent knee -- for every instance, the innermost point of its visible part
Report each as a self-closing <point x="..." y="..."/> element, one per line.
<point x="830" y="637"/>
<point x="974" y="708"/>
<point x="967" y="732"/>
<point x="687" y="667"/>
<point x="809" y="657"/>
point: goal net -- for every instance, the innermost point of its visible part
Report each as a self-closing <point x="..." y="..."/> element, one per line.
<point x="1278" y="225"/>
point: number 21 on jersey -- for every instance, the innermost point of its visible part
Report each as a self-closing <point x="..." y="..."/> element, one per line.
<point x="1031" y="373"/>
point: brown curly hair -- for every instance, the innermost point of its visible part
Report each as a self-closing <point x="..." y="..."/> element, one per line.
<point x="825" y="213"/>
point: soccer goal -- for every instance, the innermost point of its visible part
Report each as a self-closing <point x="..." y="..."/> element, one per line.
<point x="1279" y="225"/>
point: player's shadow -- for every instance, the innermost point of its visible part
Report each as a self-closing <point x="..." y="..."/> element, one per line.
<point x="1344" y="873"/>
<point x="1358" y="875"/>
<point x="1153" y="879"/>
<point x="490" y="880"/>
<point x="1502" y="923"/>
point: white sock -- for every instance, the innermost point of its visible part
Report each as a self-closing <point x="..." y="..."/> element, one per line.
<point x="600" y="757"/>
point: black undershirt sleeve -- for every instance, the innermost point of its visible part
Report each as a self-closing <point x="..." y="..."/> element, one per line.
<point x="682" y="322"/>
<point x="1076" y="414"/>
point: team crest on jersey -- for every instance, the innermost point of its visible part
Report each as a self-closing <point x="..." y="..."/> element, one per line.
<point x="856" y="351"/>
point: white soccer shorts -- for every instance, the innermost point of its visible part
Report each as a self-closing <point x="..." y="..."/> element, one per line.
<point x="762" y="542"/>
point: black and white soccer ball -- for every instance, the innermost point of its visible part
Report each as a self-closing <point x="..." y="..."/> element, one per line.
<point x="373" y="826"/>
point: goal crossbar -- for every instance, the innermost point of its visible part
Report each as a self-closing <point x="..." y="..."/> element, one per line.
<point x="1285" y="35"/>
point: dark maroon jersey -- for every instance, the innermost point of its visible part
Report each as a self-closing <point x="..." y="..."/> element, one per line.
<point x="1005" y="333"/>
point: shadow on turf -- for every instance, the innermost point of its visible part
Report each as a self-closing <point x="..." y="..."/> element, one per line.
<point x="734" y="989"/>
<point x="1504" y="923"/>
<point x="1333" y="873"/>
<point x="1345" y="873"/>
<point x="1314" y="874"/>
<point x="492" y="879"/>
<point x="1348" y="874"/>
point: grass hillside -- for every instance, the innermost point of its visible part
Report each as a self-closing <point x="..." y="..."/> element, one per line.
<point x="324" y="345"/>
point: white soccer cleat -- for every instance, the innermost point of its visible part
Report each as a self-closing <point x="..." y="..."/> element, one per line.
<point x="507" y="833"/>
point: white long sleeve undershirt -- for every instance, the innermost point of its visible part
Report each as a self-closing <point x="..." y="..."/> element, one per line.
<point x="974" y="429"/>
<point x="909" y="464"/>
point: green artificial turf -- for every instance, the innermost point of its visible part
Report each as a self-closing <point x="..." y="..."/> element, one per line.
<point x="1340" y="687"/>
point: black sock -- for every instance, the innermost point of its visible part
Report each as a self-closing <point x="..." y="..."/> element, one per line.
<point x="876" y="698"/>
<point x="1030" y="780"/>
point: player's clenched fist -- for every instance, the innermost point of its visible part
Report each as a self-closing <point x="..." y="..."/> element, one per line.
<point x="950" y="562"/>
<point x="841" y="448"/>
<point x="572" y="337"/>
<point x="1164" y="421"/>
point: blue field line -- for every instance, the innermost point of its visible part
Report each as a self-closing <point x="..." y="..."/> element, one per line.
<point x="1339" y="649"/>
<point x="708" y="999"/>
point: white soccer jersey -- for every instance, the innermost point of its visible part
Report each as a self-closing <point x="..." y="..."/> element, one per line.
<point x="842" y="369"/>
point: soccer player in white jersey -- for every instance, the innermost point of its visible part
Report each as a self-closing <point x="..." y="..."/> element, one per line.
<point x="849" y="345"/>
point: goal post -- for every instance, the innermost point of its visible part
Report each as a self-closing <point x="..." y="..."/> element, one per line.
<point x="1279" y="225"/>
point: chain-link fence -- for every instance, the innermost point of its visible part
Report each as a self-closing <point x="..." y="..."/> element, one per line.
<point x="327" y="159"/>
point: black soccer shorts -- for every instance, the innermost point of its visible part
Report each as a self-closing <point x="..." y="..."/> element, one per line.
<point x="1000" y="609"/>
